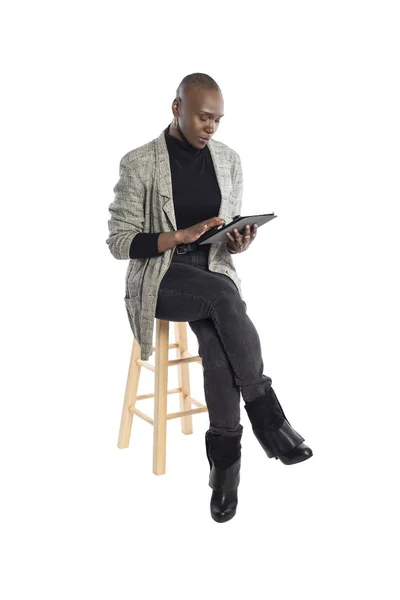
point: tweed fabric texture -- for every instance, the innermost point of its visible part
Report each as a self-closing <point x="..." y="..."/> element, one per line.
<point x="143" y="203"/>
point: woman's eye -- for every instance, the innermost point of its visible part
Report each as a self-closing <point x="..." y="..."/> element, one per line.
<point x="205" y="119"/>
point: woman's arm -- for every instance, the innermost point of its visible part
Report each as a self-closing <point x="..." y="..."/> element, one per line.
<point x="145" y="245"/>
<point x="126" y="237"/>
<point x="127" y="212"/>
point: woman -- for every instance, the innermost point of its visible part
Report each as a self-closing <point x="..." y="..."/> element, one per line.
<point x="170" y="192"/>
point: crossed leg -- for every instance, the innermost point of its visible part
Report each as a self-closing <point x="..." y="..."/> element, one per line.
<point x="228" y="340"/>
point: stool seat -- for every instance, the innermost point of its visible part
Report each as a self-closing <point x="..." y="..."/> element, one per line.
<point x="161" y="391"/>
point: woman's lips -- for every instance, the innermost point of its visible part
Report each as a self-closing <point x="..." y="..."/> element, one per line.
<point x="204" y="140"/>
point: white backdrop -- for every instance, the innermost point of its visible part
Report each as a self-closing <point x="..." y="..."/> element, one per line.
<point x="311" y="94"/>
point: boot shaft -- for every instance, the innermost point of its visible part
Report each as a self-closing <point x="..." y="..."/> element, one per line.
<point x="223" y="450"/>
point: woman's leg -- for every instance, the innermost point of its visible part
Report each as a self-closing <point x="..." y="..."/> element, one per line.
<point x="177" y="301"/>
<point x="193" y="294"/>
<point x="222" y="395"/>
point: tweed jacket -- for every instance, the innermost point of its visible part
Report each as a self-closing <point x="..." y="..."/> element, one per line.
<point x="143" y="203"/>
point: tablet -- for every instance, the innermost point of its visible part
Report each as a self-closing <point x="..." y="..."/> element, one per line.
<point x="218" y="234"/>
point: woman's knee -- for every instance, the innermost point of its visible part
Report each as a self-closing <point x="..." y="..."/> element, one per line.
<point x="228" y="301"/>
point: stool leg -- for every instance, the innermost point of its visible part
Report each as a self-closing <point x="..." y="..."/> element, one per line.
<point x="160" y="397"/>
<point x="131" y="389"/>
<point x="183" y="377"/>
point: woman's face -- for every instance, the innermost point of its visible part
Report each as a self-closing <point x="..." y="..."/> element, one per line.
<point x="199" y="114"/>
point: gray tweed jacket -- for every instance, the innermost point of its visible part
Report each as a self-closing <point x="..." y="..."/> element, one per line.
<point x="143" y="202"/>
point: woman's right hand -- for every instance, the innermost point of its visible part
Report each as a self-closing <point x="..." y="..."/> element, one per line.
<point x="191" y="234"/>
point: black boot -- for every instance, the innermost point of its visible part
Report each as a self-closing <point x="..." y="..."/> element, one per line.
<point x="224" y="456"/>
<point x="274" y="432"/>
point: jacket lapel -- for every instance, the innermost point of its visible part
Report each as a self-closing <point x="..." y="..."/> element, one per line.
<point x="164" y="181"/>
<point x="222" y="171"/>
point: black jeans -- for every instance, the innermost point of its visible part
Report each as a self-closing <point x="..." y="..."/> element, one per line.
<point x="229" y="344"/>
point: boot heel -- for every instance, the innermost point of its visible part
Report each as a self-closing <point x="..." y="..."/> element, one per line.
<point x="269" y="449"/>
<point x="269" y="453"/>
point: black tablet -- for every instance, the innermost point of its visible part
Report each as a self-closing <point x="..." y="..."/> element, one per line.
<point x="218" y="234"/>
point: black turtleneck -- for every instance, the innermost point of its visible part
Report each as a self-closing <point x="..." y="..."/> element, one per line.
<point x="195" y="190"/>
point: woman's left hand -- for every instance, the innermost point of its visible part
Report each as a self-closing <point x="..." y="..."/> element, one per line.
<point x="240" y="243"/>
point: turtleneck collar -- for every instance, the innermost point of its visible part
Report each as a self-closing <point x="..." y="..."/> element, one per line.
<point x="185" y="145"/>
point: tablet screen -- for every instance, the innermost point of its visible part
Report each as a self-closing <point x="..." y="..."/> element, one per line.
<point x="219" y="234"/>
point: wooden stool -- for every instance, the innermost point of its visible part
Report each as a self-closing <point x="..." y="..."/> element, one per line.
<point x="161" y="391"/>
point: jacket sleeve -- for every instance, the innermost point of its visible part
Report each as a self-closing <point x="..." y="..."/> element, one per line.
<point x="127" y="211"/>
<point x="145" y="245"/>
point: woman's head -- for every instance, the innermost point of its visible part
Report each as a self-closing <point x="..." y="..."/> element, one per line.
<point x="197" y="109"/>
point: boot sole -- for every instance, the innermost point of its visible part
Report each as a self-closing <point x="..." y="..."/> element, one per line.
<point x="272" y="452"/>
